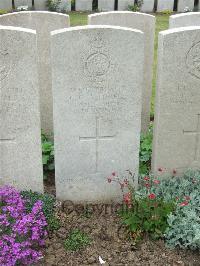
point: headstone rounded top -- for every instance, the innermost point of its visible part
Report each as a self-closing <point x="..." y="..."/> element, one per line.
<point x="89" y="27"/>
<point x="34" y="13"/>
<point x="117" y="13"/>
<point x="187" y="14"/>
<point x="11" y="28"/>
<point x="180" y="29"/>
<point x="184" y="20"/>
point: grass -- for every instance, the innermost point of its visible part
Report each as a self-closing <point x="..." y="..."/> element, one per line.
<point x="162" y="21"/>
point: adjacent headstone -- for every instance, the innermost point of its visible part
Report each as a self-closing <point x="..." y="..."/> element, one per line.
<point x="40" y="5"/>
<point x="124" y="4"/>
<point x="20" y="137"/>
<point x="6" y="5"/>
<point x="145" y="23"/>
<point x="97" y="109"/>
<point x="106" y="5"/>
<point x="43" y="23"/>
<point x="184" y="20"/>
<point x="163" y="5"/>
<point x="23" y="3"/>
<point x="147" y="6"/>
<point x="177" y="114"/>
<point x="83" y="5"/>
<point x="185" y="5"/>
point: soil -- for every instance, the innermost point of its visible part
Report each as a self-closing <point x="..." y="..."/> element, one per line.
<point x="108" y="240"/>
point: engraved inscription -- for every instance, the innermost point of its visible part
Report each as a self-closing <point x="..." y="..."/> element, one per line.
<point x="193" y="60"/>
<point x="183" y="95"/>
<point x="97" y="138"/>
<point x="196" y="133"/>
<point x="97" y="64"/>
<point x="5" y="66"/>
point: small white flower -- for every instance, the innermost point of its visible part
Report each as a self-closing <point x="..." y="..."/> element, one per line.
<point x="101" y="260"/>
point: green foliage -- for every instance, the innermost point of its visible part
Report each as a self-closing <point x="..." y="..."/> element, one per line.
<point x="76" y="240"/>
<point x="147" y="215"/>
<point x="145" y="152"/>
<point x="47" y="207"/>
<point x="2" y="12"/>
<point x="166" y="12"/>
<point x="53" y="5"/>
<point x="47" y="154"/>
<point x="136" y="7"/>
<point x="184" y="223"/>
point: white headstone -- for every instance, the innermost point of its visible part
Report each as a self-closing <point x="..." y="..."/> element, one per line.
<point x="164" y="5"/>
<point x="147" y="6"/>
<point x="184" y="20"/>
<point x="106" y="5"/>
<point x="23" y="3"/>
<point x="124" y="4"/>
<point x="185" y="5"/>
<point x="83" y="5"/>
<point x="145" y="23"/>
<point x="177" y="110"/>
<point x="40" y="5"/>
<point x="6" y="5"/>
<point x="43" y="23"/>
<point x="97" y="109"/>
<point x="20" y="136"/>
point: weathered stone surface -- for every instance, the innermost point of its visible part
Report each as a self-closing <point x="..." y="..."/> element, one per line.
<point x="182" y="4"/>
<point x="20" y="144"/>
<point x="165" y="5"/>
<point x="23" y="3"/>
<point x="123" y="4"/>
<point x="43" y="23"/>
<point x="145" y="23"/>
<point x="40" y="5"/>
<point x="6" y="4"/>
<point x="184" y="20"/>
<point x="97" y="109"/>
<point x="177" y="114"/>
<point x="147" y="6"/>
<point x="106" y="5"/>
<point x="83" y="5"/>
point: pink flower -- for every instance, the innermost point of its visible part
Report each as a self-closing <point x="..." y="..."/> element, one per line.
<point x="156" y="181"/>
<point x="127" y="198"/>
<point x="113" y="174"/>
<point x="184" y="203"/>
<point x="152" y="196"/>
<point x="146" y="178"/>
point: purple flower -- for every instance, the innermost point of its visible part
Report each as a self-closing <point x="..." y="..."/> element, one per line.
<point x="21" y="233"/>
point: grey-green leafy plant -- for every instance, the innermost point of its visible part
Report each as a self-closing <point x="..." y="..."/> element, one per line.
<point x="145" y="152"/>
<point x="184" y="222"/>
<point x="76" y="240"/>
<point x="53" y="5"/>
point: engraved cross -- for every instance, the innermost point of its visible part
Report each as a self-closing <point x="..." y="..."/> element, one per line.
<point x="97" y="138"/>
<point x="197" y="137"/>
